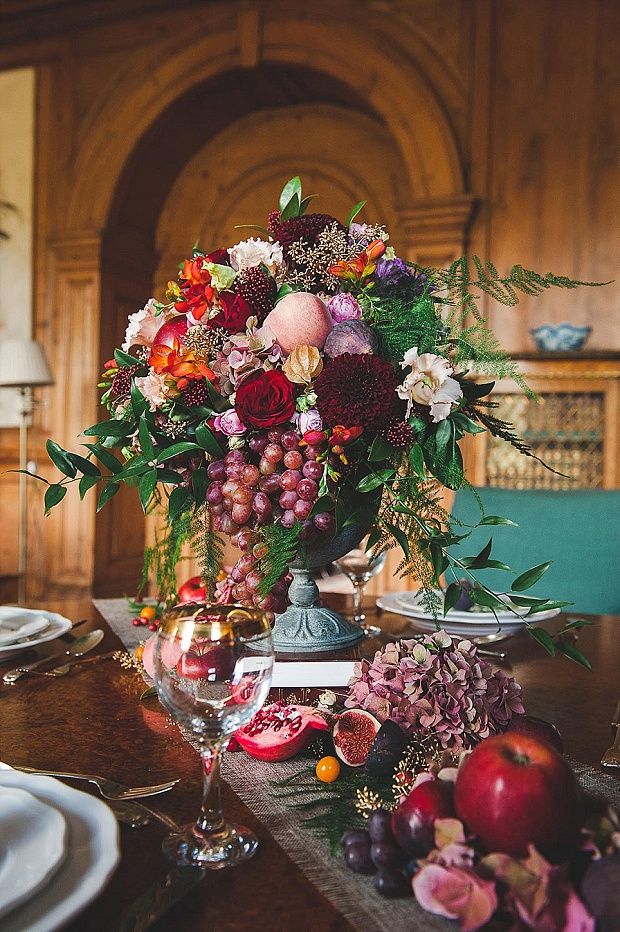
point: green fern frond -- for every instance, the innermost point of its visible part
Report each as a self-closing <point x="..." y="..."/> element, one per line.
<point x="283" y="545"/>
<point x="401" y="324"/>
<point x="206" y="547"/>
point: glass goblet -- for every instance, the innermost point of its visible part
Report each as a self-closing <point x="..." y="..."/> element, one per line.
<point x="360" y="566"/>
<point x="212" y="669"/>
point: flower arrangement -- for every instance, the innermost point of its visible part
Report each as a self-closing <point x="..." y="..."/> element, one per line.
<point x="297" y="382"/>
<point x="434" y="685"/>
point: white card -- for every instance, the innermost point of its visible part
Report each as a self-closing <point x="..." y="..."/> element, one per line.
<point x="312" y="673"/>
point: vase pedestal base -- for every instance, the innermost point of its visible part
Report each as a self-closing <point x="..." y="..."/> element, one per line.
<point x="308" y="627"/>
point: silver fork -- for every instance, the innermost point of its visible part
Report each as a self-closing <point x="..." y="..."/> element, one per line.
<point x="611" y="757"/>
<point x="109" y="789"/>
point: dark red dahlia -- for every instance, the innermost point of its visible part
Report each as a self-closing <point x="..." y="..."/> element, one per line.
<point x="357" y="390"/>
<point x="306" y="228"/>
<point x="121" y="383"/>
<point x="258" y="289"/>
<point x="196" y="394"/>
<point x="398" y="433"/>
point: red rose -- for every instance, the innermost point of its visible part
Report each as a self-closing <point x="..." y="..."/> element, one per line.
<point x="265" y="399"/>
<point x="219" y="257"/>
<point x="234" y="313"/>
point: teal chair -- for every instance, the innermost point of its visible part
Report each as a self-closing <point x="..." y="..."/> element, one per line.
<point x="579" y="530"/>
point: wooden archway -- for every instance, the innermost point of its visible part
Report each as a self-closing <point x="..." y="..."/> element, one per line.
<point x="104" y="260"/>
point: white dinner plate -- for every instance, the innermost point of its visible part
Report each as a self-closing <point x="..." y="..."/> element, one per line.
<point x="411" y="602"/>
<point x="476" y="626"/>
<point x="92" y="855"/>
<point x="13" y="616"/>
<point x="32" y="845"/>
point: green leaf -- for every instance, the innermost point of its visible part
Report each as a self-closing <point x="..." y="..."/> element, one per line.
<point x="304" y="203"/>
<point x="108" y="429"/>
<point x="200" y="484"/>
<point x="544" y="639"/>
<point x="134" y="467"/>
<point x="375" y="479"/>
<point x="576" y="624"/>
<point x="252" y="226"/>
<point x="124" y="360"/>
<point x="573" y="653"/>
<point x="86" y="483"/>
<point x="106" y="494"/>
<point x="148" y="693"/>
<point x="180" y="499"/>
<point x="373" y="538"/>
<point x="104" y="456"/>
<point x="290" y="190"/>
<point x="85" y="466"/>
<point x="438" y="559"/>
<point x="60" y="459"/>
<point x="356" y="210"/>
<point x="480" y="560"/>
<point x="53" y="495"/>
<point x="206" y="438"/>
<point x="399" y="535"/>
<point x="146" y="442"/>
<point x="526" y="600"/>
<point x="488" y="599"/>
<point x="147" y="487"/>
<point x="283" y="290"/>
<point x="323" y="503"/>
<point x="530" y="577"/>
<point x="169" y="476"/>
<point x="547" y="606"/>
<point x="416" y="459"/>
<point x="139" y="404"/>
<point x="176" y="449"/>
<point x="453" y="594"/>
<point x="292" y="209"/>
<point x="497" y="519"/>
<point x="443" y="435"/>
<point x="380" y="450"/>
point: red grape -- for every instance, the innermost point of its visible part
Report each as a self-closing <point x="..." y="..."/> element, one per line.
<point x="289" y="479"/>
<point x="234" y="456"/>
<point x="290" y="440"/>
<point x="275" y="434"/>
<point x="270" y="485"/>
<point x="302" y="509"/>
<point x="325" y="522"/>
<point x="241" y="514"/>
<point x="293" y="459"/>
<point x="313" y="470"/>
<point x="288" y="499"/>
<point x="261" y="504"/>
<point x="273" y="452"/>
<point x="216" y="470"/>
<point x="245" y="540"/>
<point x="307" y="489"/>
<point x="266" y="468"/>
<point x="250" y="475"/>
<point x="288" y="519"/>
<point x="312" y="452"/>
<point x="242" y="495"/>
<point x="257" y="443"/>
<point x="254" y="579"/>
<point x="214" y="493"/>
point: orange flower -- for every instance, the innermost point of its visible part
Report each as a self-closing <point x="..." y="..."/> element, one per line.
<point x="180" y="363"/>
<point x="361" y="266"/>
<point x="194" y="273"/>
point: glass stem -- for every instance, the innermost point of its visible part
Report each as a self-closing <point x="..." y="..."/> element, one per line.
<point x="358" y="591"/>
<point x="210" y="819"/>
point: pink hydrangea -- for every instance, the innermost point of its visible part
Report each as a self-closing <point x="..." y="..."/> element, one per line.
<point x="434" y="684"/>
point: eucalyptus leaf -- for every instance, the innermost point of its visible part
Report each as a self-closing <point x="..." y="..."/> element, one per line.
<point x="169" y="476"/>
<point x="380" y="450"/>
<point x="206" y="438"/>
<point x="480" y="560"/>
<point x="283" y="290"/>
<point x="125" y="361"/>
<point x="147" y="487"/>
<point x="87" y="467"/>
<point x="573" y="653"/>
<point x="177" y="449"/>
<point x="322" y="504"/>
<point x="399" y="535"/>
<point x="453" y="594"/>
<point x="87" y="482"/>
<point x="416" y="459"/>
<point x="179" y="501"/>
<point x="53" y="495"/>
<point x="485" y="598"/>
<point x="305" y="202"/>
<point x="530" y="577"/>
<point x="148" y="693"/>
<point x="108" y="429"/>
<point x="292" y="209"/>
<point x="547" y="606"/>
<point x="104" y="456"/>
<point x="497" y="519"/>
<point x="200" y="484"/>
<point x="544" y="639"/>
<point x="146" y="442"/>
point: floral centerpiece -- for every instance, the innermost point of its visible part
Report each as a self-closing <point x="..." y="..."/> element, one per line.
<point x="295" y="384"/>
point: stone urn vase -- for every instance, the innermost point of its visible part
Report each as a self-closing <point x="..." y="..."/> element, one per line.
<point x="306" y="626"/>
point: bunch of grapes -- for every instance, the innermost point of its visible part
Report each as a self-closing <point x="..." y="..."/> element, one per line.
<point x="244" y="580"/>
<point x="282" y="487"/>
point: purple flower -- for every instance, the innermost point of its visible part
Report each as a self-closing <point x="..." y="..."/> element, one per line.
<point x="343" y="306"/>
<point x="395" y="274"/>
<point x="309" y="420"/>
<point x="438" y="685"/>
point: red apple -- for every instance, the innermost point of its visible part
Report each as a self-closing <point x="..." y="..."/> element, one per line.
<point x="413" y="821"/>
<point x="514" y="790"/>
<point x="537" y="728"/>
<point x="209" y="663"/>
<point x="192" y="590"/>
<point x="175" y="327"/>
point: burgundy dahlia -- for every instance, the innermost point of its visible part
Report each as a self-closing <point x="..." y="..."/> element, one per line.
<point x="306" y="228"/>
<point x="356" y="390"/>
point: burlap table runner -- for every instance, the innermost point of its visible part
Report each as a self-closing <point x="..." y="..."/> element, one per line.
<point x="353" y="895"/>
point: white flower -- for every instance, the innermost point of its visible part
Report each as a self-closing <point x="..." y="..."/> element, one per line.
<point x="144" y="324"/>
<point x="251" y="252"/>
<point x="154" y="389"/>
<point x="429" y="383"/>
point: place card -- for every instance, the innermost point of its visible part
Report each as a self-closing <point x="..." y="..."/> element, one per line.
<point x="312" y="673"/>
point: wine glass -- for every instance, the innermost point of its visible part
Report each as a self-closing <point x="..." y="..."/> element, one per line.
<point x="360" y="565"/>
<point x="212" y="670"/>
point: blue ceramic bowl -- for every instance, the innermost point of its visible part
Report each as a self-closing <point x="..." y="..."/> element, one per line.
<point x="560" y="338"/>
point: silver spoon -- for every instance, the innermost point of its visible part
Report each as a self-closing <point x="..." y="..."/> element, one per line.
<point x="77" y="649"/>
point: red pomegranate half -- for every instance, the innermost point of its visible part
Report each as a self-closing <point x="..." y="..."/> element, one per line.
<point x="279" y="731"/>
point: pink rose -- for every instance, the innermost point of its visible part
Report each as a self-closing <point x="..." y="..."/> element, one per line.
<point x="229" y="424"/>
<point x="309" y="420"/>
<point x="343" y="307"/>
<point x="455" y="894"/>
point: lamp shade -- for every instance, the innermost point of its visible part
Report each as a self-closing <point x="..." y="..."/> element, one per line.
<point x="23" y="364"/>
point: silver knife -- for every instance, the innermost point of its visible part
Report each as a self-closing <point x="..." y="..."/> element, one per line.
<point x="78" y="648"/>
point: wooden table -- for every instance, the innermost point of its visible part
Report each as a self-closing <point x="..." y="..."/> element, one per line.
<point x="93" y="721"/>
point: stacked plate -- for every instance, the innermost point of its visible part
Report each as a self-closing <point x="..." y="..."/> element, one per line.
<point x="481" y="626"/>
<point x="22" y="628"/>
<point x="58" y="848"/>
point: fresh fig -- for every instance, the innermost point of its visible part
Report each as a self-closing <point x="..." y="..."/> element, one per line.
<point x="351" y="336"/>
<point x="386" y="750"/>
<point x="279" y="731"/>
<point x="464" y="602"/>
<point x="354" y="733"/>
<point x="413" y="822"/>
